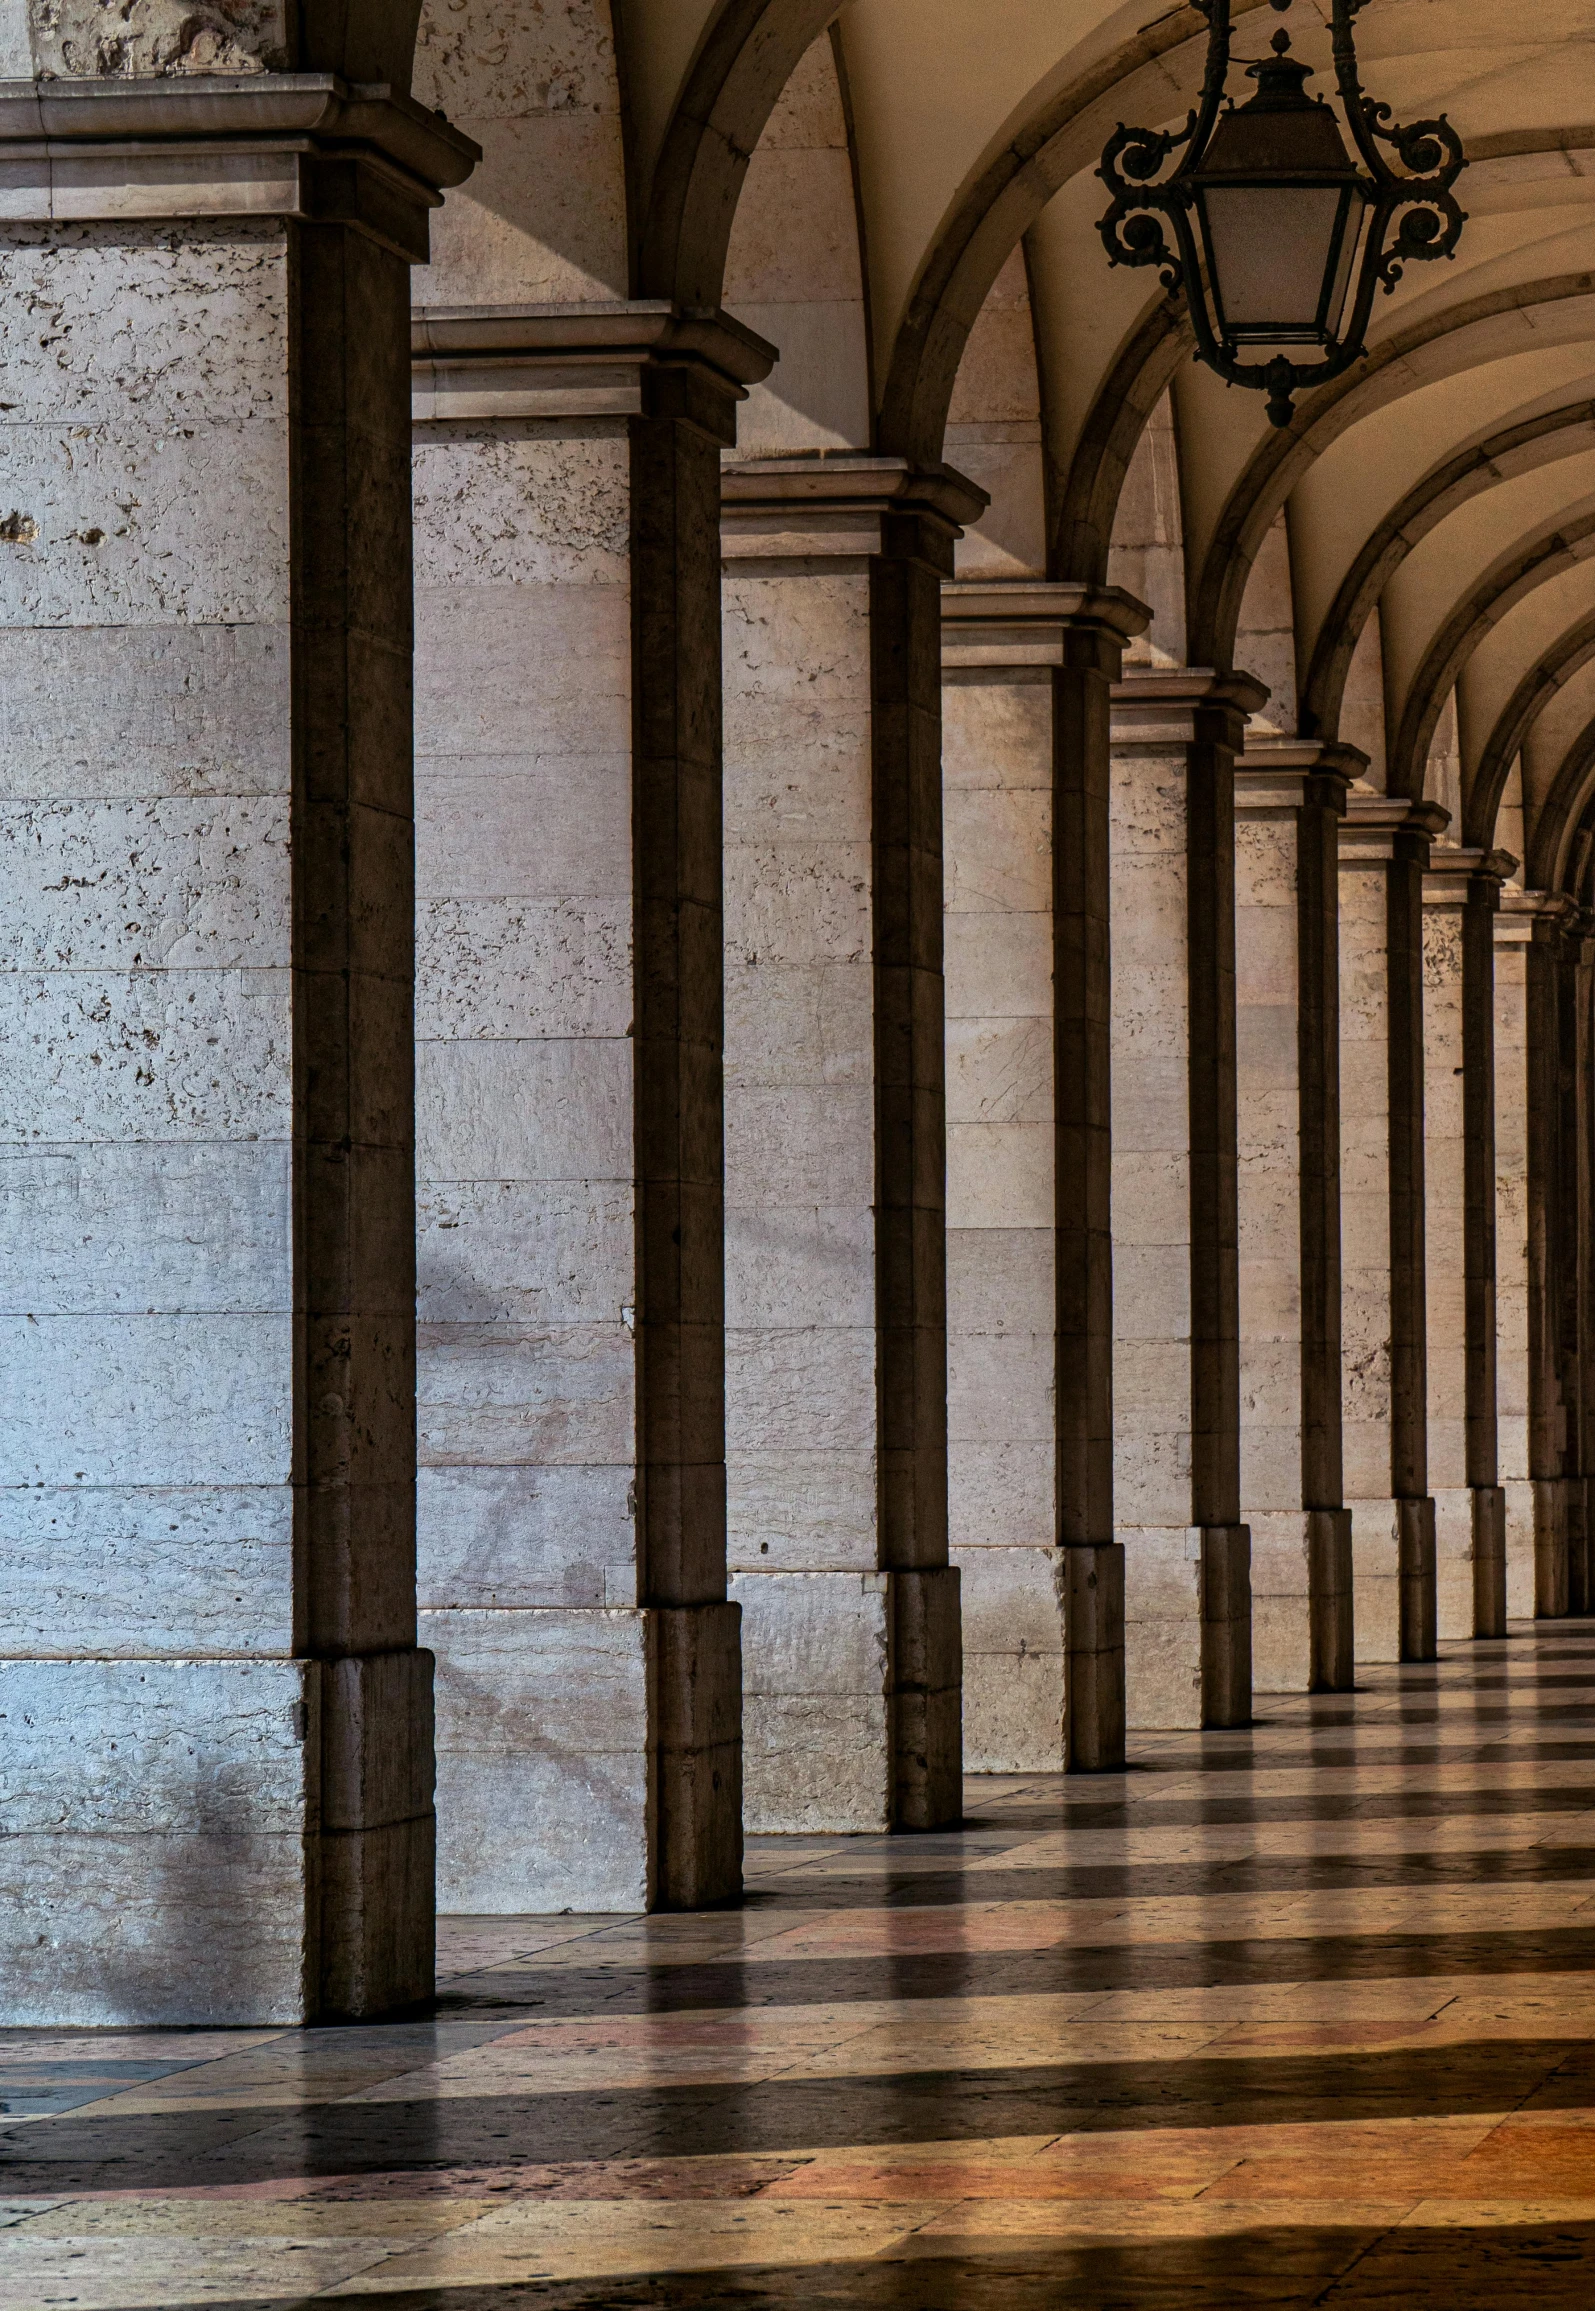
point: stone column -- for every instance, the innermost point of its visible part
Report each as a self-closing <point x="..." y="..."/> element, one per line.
<point x="572" y="1474"/>
<point x="836" y="1330"/>
<point x="217" y="1724"/>
<point x="1532" y="1417"/>
<point x="1384" y="850"/>
<point x="1027" y="674"/>
<point x="1176" y="1375"/>
<point x="1460" y="897"/>
<point x="1570" y="1298"/>
<point x="1290" y="798"/>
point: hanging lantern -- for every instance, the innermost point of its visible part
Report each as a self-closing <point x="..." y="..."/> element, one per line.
<point x="1280" y="239"/>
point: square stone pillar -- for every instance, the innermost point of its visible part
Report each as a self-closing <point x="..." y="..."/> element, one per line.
<point x="836" y="1329"/>
<point x="1176" y="1371"/>
<point x="1461" y="893"/>
<point x="572" y="1526"/>
<point x="1290" y="799"/>
<point x="1572" y="1315"/>
<point x="1384" y="849"/>
<point x="1532" y="1416"/>
<point x="1027" y="671"/>
<point x="217" y="1752"/>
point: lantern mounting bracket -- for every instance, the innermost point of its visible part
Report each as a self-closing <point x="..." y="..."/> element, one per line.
<point x="1397" y="209"/>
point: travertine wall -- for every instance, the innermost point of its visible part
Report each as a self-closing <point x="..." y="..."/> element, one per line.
<point x="1513" y="933"/>
<point x="801" y="1434"/>
<point x="1289" y="798"/>
<point x="1444" y="1149"/>
<point x="1175" y="1357"/>
<point x="1001" y="1285"/>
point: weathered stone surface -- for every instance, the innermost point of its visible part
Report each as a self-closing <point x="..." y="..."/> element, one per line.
<point x="815" y="1700"/>
<point x="544" y="1759"/>
<point x="85" y="40"/>
<point x="154" y="1817"/>
<point x="1013" y="1630"/>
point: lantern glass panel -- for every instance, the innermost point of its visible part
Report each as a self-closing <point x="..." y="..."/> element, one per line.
<point x="1279" y="256"/>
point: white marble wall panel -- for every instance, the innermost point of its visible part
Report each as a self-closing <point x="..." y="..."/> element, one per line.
<point x="1001" y="1321"/>
<point x="524" y="1129"/>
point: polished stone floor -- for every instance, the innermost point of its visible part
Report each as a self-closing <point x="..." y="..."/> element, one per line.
<point x="1304" y="2015"/>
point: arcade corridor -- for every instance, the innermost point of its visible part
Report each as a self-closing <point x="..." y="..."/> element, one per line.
<point x="1299" y="2015"/>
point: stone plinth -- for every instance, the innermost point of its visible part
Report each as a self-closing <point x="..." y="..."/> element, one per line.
<point x="835" y="1293"/>
<point x="1026" y="671"/>
<point x="1176" y="1381"/>
<point x="1460" y="895"/>
<point x="218" y="1736"/>
<point x="1290" y="797"/>
<point x="572" y="1555"/>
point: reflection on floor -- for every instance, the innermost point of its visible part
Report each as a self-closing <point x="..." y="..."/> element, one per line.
<point x="1304" y="2015"/>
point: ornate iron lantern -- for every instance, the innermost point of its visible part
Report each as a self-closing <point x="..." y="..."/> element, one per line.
<point x="1279" y="238"/>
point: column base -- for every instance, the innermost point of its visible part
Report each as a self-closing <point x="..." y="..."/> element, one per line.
<point x="1330" y="1590"/>
<point x="1226" y="1625"/>
<point x="1453" y="1562"/>
<point x="1418" y="1546"/>
<point x="1376" y="1579"/>
<point x="926" y="1700"/>
<point x="1187" y="1626"/>
<point x="1575" y="1511"/>
<point x="207" y="1843"/>
<point x="854" y="1710"/>
<point x="1489" y="1561"/>
<point x="698" y="1755"/>
<point x="1522" y="1578"/>
<point x="1013" y="1613"/>
<point x="588" y="1759"/>
<point x="1301" y="1601"/>
<point x="1549" y="1497"/>
<point x="1092" y="1577"/>
<point x="815" y="1735"/>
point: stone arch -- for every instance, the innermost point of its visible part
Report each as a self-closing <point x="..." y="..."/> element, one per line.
<point x="1557" y="309"/>
<point x="744" y="62"/>
<point x="1561" y="815"/>
<point x="1483" y="797"/>
<point x="1515" y="450"/>
<point x="1504" y="585"/>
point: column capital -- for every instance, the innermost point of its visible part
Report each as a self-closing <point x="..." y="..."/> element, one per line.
<point x="305" y="145"/>
<point x="607" y="358"/>
<point x="1021" y="622"/>
<point x="1276" y="775"/>
<point x="1163" y="705"/>
<point x="1381" y="828"/>
<point x="1540" y="918"/>
<point x="844" y="505"/>
<point x="1458" y="875"/>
